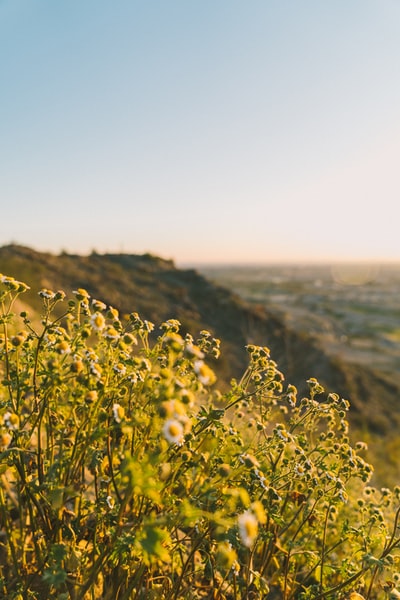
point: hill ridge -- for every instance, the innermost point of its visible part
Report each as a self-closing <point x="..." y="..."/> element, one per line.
<point x="158" y="290"/>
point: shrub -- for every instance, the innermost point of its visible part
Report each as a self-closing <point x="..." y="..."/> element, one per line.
<point x="126" y="474"/>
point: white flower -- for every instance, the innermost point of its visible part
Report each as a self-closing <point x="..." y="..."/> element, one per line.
<point x="110" y="502"/>
<point x="120" y="368"/>
<point x="48" y="294"/>
<point x="248" y="528"/>
<point x="91" y="355"/>
<point x="11" y="421"/>
<point x="148" y="325"/>
<point x="283" y="434"/>
<point x="261" y="479"/>
<point x="299" y="469"/>
<point x="63" y="347"/>
<point x="173" y="432"/>
<point x="118" y="413"/>
<point x="193" y="350"/>
<point x="204" y="374"/>
<point x="98" y="321"/>
<point x="98" y="304"/>
<point x="111" y="333"/>
<point x="95" y="370"/>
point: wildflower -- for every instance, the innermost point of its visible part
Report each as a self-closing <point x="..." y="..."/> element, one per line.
<point x="164" y="471"/>
<point x="171" y="408"/>
<point x="283" y="434"/>
<point x="193" y="351"/>
<point x="173" y="432"/>
<point x="120" y="369"/>
<point x="63" y="347"/>
<point x="18" y="340"/>
<point x="226" y="555"/>
<point x="111" y="333"/>
<point x="110" y="502"/>
<point x="145" y="364"/>
<point x="130" y="339"/>
<point x="148" y="325"/>
<point x="261" y="479"/>
<point x="81" y="294"/>
<point x="46" y="294"/>
<point x="95" y="370"/>
<point x="118" y="413"/>
<point x="224" y="470"/>
<point x="361" y="446"/>
<point x="133" y="378"/>
<point x="236" y="568"/>
<point x="248" y="528"/>
<point x="13" y="284"/>
<point x="171" y="325"/>
<point x="91" y="355"/>
<point x="249" y="460"/>
<point x="91" y="396"/>
<point x="98" y="322"/>
<point x="299" y="469"/>
<point x="187" y="397"/>
<point x="259" y="512"/>
<point x="205" y="375"/>
<point x="11" y="421"/>
<point x="5" y="441"/>
<point x="98" y="305"/>
<point x="77" y="365"/>
<point x="113" y="313"/>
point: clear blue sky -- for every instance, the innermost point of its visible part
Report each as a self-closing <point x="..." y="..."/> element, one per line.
<point x="203" y="131"/>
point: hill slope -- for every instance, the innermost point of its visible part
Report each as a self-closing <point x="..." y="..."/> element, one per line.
<point x="158" y="290"/>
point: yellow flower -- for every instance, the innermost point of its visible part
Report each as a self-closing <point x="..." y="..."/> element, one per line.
<point x="5" y="440"/>
<point x="81" y="294"/>
<point x="63" y="347"/>
<point x="91" y="396"/>
<point x="111" y="333"/>
<point x="226" y="555"/>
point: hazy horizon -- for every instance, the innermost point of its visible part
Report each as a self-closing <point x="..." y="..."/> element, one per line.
<point x="203" y="133"/>
<point x="222" y="265"/>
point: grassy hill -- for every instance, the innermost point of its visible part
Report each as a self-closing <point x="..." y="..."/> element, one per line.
<point x="158" y="290"/>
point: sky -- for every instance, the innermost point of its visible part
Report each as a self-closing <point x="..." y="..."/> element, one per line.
<point x="212" y="131"/>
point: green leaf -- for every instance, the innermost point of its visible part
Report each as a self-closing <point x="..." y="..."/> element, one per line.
<point x="55" y="578"/>
<point x="152" y="543"/>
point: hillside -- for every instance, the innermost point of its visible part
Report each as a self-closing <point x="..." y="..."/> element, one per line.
<point x="158" y="290"/>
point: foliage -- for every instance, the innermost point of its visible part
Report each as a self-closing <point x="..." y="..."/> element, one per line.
<point x="125" y="474"/>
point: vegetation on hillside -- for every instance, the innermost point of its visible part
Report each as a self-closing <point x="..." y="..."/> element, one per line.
<point x="157" y="289"/>
<point x="125" y="473"/>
